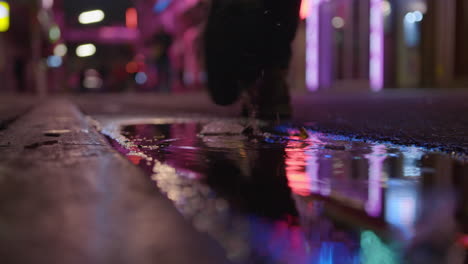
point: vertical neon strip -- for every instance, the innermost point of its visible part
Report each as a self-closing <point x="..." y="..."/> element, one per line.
<point x="376" y="63"/>
<point x="312" y="46"/>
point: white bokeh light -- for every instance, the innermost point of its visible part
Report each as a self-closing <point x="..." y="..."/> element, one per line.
<point x="85" y="50"/>
<point x="93" y="16"/>
<point x="60" y="50"/>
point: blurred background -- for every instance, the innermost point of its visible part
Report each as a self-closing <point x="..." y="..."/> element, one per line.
<point x="94" y="46"/>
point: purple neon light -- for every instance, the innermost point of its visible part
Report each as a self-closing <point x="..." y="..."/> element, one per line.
<point x="312" y="46"/>
<point x="376" y="63"/>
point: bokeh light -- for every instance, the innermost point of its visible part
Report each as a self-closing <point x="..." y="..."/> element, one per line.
<point x="92" y="79"/>
<point x="47" y="4"/>
<point x="54" y="61"/>
<point x="141" y="78"/>
<point x="60" y="50"/>
<point x="85" y="50"/>
<point x="4" y="16"/>
<point x="338" y="22"/>
<point x="54" y="33"/>
<point x="93" y="16"/>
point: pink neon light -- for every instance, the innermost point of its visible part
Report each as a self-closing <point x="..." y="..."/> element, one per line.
<point x="312" y="46"/>
<point x="376" y="63"/>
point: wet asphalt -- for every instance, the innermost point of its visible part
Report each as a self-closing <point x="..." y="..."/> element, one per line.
<point x="434" y="119"/>
<point x="293" y="195"/>
<point x="351" y="178"/>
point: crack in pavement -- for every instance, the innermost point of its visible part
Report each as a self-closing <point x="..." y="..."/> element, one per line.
<point x="40" y="144"/>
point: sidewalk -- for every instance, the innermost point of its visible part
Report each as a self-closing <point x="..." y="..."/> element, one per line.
<point x="67" y="197"/>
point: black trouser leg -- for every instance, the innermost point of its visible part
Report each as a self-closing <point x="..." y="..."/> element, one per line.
<point x="281" y="21"/>
<point x="244" y="38"/>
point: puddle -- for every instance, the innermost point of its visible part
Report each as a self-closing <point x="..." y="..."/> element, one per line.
<point x="304" y="197"/>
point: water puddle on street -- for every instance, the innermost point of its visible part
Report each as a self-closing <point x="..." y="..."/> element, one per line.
<point x="298" y="196"/>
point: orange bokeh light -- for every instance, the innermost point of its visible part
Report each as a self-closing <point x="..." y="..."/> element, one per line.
<point x="305" y="9"/>
<point x="132" y="67"/>
<point x="131" y="18"/>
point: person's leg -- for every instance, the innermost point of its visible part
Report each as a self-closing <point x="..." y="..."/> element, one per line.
<point x="281" y="21"/>
<point x="248" y="47"/>
<point x="233" y="41"/>
<point x="282" y="18"/>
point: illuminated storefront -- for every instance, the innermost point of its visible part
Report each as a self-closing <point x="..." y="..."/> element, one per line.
<point x="376" y="44"/>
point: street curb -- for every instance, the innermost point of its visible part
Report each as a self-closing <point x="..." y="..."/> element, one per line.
<point x="67" y="197"/>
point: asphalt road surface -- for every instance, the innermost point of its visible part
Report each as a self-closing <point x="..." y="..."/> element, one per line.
<point x="428" y="118"/>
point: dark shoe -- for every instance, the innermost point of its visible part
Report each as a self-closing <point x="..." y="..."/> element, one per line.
<point x="269" y="98"/>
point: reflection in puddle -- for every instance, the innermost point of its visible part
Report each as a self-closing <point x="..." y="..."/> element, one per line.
<point x="324" y="199"/>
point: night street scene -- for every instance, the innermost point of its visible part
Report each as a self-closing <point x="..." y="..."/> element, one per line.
<point x="234" y="131"/>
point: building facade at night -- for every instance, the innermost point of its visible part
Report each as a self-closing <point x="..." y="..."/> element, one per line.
<point x="386" y="43"/>
<point x="341" y="44"/>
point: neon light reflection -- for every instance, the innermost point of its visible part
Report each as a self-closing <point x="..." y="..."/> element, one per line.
<point x="376" y="163"/>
